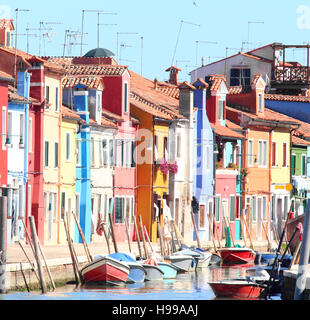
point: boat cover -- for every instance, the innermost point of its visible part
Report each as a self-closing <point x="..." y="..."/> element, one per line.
<point x="122" y="257"/>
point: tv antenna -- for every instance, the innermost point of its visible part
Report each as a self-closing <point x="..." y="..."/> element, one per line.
<point x="103" y="24"/>
<point x="249" y="23"/>
<point x="181" y="24"/>
<point x="68" y="42"/>
<point x="197" y="44"/>
<point x="117" y="39"/>
<point x="122" y="46"/>
<point x="16" y="28"/>
<point x="26" y="35"/>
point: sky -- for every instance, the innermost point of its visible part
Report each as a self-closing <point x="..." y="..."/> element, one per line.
<point x="150" y="36"/>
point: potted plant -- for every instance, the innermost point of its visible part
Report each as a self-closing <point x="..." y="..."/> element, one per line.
<point x="173" y="168"/>
<point x="218" y="165"/>
<point x="164" y="166"/>
<point x="232" y="166"/>
<point x="244" y="172"/>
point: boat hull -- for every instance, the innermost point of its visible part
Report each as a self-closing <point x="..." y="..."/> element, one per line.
<point x="153" y="273"/>
<point x="204" y="260"/>
<point x="182" y="263"/>
<point x="170" y="271"/>
<point x="136" y="274"/>
<point x="236" y="289"/>
<point x="105" y="270"/>
<point x="237" y="255"/>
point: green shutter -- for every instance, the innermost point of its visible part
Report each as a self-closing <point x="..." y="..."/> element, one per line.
<point x="293" y="164"/>
<point x="232" y="208"/>
<point x="217" y="209"/>
<point x="303" y="165"/>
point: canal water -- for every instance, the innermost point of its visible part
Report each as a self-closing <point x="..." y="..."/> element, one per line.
<point x="187" y="286"/>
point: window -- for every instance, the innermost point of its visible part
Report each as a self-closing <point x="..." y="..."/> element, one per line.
<point x="272" y="208"/>
<point x="56" y="155"/>
<point x="8" y="39"/>
<point x="10" y="127"/>
<point x="30" y="136"/>
<point x="264" y="153"/>
<point x="232" y="208"/>
<point x="303" y="165"/>
<point x="166" y="148"/>
<point x="3" y="127"/>
<point x="55" y="206"/>
<point x="125" y="97"/>
<point x="77" y="206"/>
<point x="202" y="216"/>
<point x="57" y="99"/>
<point x="128" y="153"/>
<point x="156" y="147"/>
<point x="221" y="110"/>
<point x="260" y="102"/>
<point x="254" y="208"/>
<point x="122" y="153"/>
<point x="286" y="208"/>
<point x="47" y="94"/>
<point x="45" y="205"/>
<point x="176" y="210"/>
<point x="274" y="153"/>
<point x="78" y="152"/>
<point x="260" y="152"/>
<point x="21" y="128"/>
<point x="238" y="156"/>
<point x="293" y="164"/>
<point x="284" y="154"/>
<point x="178" y="146"/>
<point x="116" y="153"/>
<point x="63" y="204"/>
<point x="127" y="210"/>
<point x="46" y="152"/>
<point x="265" y="208"/>
<point x="240" y="77"/>
<point x="111" y="153"/>
<point x="99" y="106"/>
<point x="105" y="152"/>
<point x="133" y="154"/>
<point x="119" y="210"/>
<point x="68" y="151"/>
<point x="217" y="208"/>
<point x="250" y="152"/>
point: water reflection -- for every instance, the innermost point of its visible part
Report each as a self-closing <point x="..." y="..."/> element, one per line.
<point x="187" y="286"/>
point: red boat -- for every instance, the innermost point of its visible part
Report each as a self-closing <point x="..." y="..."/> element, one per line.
<point x="291" y="226"/>
<point x="106" y="270"/>
<point x="237" y="289"/>
<point x="237" y="255"/>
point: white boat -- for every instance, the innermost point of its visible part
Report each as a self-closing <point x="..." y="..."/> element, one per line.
<point x="204" y="260"/>
<point x="182" y="262"/>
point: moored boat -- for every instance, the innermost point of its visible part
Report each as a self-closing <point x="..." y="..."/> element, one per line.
<point x="105" y="270"/>
<point x="170" y="271"/>
<point x="182" y="262"/>
<point x="291" y="226"/>
<point x="237" y="255"/>
<point x="137" y="272"/>
<point x="204" y="260"/>
<point x="237" y="289"/>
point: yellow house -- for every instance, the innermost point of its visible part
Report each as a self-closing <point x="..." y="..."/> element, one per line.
<point x="69" y="201"/>
<point x="52" y="121"/>
<point x="280" y="174"/>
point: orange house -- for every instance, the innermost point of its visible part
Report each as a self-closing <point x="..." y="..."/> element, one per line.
<point x="155" y="112"/>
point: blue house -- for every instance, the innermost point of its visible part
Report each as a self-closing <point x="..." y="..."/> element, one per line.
<point x="203" y="173"/>
<point x="83" y="185"/>
<point x="17" y="145"/>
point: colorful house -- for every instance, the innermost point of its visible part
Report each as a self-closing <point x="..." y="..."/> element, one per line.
<point x="266" y="161"/>
<point x="204" y="165"/>
<point x="67" y="163"/>
<point x="155" y="111"/>
<point x="5" y="80"/>
<point x="17" y="144"/>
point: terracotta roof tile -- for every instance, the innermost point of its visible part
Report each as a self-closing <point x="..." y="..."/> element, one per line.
<point x="226" y="132"/>
<point x="232" y="125"/>
<point x="14" y="96"/>
<point x="215" y="81"/>
<point x="298" y="141"/>
<point x="90" y="82"/>
<point x="6" y="76"/>
<point x="111" y="116"/>
<point x="280" y="97"/>
<point x="95" y="70"/>
<point x="69" y="113"/>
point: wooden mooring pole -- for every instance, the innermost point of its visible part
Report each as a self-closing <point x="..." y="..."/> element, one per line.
<point x="37" y="256"/>
<point x="3" y="242"/>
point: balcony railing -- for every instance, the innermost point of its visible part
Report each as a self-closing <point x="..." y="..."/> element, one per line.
<point x="291" y="75"/>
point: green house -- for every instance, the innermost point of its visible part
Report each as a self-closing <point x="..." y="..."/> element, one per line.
<point x="300" y="180"/>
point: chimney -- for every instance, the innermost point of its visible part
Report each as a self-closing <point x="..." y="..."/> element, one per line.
<point x="155" y="83"/>
<point x="37" y="80"/>
<point x="173" y="78"/>
<point x="6" y="26"/>
<point x="186" y="100"/>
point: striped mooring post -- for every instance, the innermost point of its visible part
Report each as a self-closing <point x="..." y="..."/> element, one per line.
<point x="3" y="243"/>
